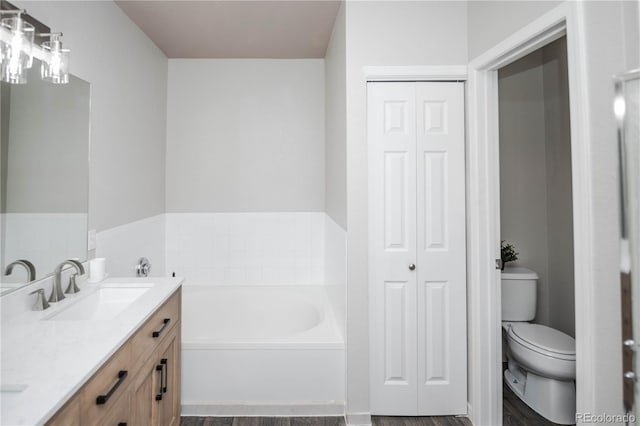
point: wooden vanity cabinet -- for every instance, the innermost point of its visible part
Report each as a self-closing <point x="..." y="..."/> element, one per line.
<point x="156" y="390"/>
<point x="149" y="392"/>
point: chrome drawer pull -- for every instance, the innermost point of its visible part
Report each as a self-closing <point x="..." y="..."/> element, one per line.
<point x="102" y="399"/>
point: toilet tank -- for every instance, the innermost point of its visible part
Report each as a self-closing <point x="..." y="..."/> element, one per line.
<point x="518" y="294"/>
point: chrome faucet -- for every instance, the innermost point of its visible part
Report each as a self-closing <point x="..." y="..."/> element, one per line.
<point x="31" y="270"/>
<point x="56" y="293"/>
<point x="41" y="303"/>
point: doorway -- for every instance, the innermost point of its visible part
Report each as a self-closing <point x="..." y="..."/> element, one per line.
<point x="536" y="231"/>
<point x="485" y="331"/>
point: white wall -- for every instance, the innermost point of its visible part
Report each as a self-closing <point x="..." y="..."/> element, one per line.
<point x="523" y="186"/>
<point x="336" y="169"/>
<point x="382" y="33"/>
<point x="491" y="21"/>
<point x="535" y="177"/>
<point x="335" y="73"/>
<point x="128" y="76"/>
<point x="559" y="187"/>
<point x="245" y="135"/>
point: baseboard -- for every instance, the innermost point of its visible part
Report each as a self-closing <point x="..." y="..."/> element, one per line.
<point x="232" y="409"/>
<point x="358" y="419"/>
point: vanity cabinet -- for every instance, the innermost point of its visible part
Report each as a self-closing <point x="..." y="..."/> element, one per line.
<point x="140" y="383"/>
<point x="159" y="383"/>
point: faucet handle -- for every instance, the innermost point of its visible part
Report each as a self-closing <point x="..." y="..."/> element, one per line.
<point x="73" y="287"/>
<point x="41" y="301"/>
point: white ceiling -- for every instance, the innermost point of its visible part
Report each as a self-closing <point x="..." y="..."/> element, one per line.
<point x="237" y="28"/>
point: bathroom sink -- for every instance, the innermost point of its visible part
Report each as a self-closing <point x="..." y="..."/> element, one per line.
<point x="103" y="304"/>
<point x="9" y="392"/>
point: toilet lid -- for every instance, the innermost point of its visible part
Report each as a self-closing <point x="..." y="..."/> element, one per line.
<point x="545" y="338"/>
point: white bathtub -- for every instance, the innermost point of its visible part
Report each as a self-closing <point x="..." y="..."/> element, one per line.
<point x="260" y="350"/>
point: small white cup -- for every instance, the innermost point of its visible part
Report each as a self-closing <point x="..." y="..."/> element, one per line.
<point x="97" y="269"/>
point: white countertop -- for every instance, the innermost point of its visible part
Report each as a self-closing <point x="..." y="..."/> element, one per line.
<point x="55" y="358"/>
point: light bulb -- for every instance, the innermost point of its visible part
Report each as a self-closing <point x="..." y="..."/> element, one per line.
<point x="619" y="107"/>
<point x="56" y="68"/>
<point x="16" y="54"/>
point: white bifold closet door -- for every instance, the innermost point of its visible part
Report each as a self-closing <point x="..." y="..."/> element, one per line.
<point x="417" y="254"/>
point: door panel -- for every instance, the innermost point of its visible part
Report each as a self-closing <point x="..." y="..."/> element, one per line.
<point x="442" y="374"/>
<point x="392" y="159"/>
<point x="397" y="319"/>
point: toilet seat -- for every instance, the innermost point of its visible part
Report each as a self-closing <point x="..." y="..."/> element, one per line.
<point x="544" y="340"/>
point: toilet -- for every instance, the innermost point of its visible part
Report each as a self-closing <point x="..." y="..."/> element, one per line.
<point x="542" y="360"/>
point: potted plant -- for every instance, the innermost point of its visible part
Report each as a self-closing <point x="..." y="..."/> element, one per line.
<point x="507" y="253"/>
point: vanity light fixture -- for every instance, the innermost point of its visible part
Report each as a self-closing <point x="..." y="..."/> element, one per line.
<point x="55" y="68"/>
<point x="15" y="47"/>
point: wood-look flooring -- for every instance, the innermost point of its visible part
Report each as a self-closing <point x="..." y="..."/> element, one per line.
<point x="322" y="421"/>
<point x="514" y="413"/>
<point x="261" y="421"/>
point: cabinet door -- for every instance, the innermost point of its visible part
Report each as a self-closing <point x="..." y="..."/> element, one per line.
<point x="145" y="404"/>
<point x="120" y="413"/>
<point x="170" y="361"/>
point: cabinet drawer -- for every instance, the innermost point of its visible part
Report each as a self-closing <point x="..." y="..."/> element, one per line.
<point x="120" y="413"/>
<point x="157" y="327"/>
<point x="109" y="384"/>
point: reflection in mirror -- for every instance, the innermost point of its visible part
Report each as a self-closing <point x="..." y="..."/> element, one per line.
<point x="627" y="111"/>
<point x="44" y="177"/>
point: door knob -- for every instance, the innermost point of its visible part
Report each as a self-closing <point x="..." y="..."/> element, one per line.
<point x="412" y="267"/>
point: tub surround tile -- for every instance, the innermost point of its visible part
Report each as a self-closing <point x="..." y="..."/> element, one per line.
<point x="246" y="248"/>
<point x="335" y="269"/>
<point x="54" y="359"/>
<point x="124" y="245"/>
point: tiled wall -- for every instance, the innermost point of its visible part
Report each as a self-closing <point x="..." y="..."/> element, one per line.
<point x="235" y="249"/>
<point x="246" y="248"/>
<point x="335" y="267"/>
<point x="124" y="245"/>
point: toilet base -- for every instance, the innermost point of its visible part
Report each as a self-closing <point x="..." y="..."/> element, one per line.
<point x="554" y="400"/>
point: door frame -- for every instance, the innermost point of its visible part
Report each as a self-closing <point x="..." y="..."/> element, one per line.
<point x="483" y="214"/>
<point x="427" y="75"/>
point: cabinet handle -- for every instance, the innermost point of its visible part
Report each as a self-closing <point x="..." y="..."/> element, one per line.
<point x="102" y="399"/>
<point x="165" y="322"/>
<point x="122" y="424"/>
<point x="163" y="362"/>
<point x="160" y="368"/>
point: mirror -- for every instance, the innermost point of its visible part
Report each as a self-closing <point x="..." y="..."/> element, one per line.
<point x="627" y="111"/>
<point x="44" y="175"/>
